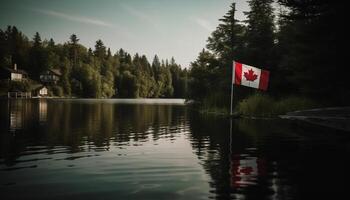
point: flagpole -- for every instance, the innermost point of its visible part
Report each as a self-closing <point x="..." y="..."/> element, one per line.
<point x="232" y="88"/>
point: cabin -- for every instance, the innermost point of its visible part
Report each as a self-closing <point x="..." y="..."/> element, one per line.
<point x="13" y="74"/>
<point x="51" y="76"/>
<point x="40" y="91"/>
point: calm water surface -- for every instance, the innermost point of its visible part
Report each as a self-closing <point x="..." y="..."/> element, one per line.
<point x="110" y="149"/>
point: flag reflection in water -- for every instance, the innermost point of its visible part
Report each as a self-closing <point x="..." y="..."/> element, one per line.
<point x="245" y="170"/>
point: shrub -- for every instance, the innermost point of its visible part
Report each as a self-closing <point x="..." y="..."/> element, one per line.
<point x="57" y="91"/>
<point x="215" y="103"/>
<point x="264" y="106"/>
<point x="257" y="105"/>
<point x="23" y="86"/>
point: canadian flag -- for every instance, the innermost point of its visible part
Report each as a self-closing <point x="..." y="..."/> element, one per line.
<point x="250" y="76"/>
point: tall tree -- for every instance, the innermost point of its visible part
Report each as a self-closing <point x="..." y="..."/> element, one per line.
<point x="227" y="39"/>
<point x="156" y="67"/>
<point x="73" y="52"/>
<point x="14" y="48"/>
<point x="38" y="57"/>
<point x="51" y="43"/>
<point x="65" y="69"/>
<point x="100" y="50"/>
<point x="226" y="44"/>
<point x="37" y="40"/>
<point x="85" y="72"/>
<point x="260" y="34"/>
<point x="204" y="77"/>
<point x="312" y="56"/>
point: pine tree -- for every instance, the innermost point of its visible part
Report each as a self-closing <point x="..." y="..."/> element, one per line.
<point x="156" y="67"/>
<point x="65" y="69"/>
<point x="73" y="52"/>
<point x="310" y="55"/>
<point x="51" y="43"/>
<point x="260" y="34"/>
<point x="100" y="50"/>
<point x="37" y="40"/>
<point x="226" y="41"/>
<point x="38" y="57"/>
<point x="226" y="44"/>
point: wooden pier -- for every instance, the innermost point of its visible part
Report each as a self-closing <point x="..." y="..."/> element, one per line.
<point x="19" y="95"/>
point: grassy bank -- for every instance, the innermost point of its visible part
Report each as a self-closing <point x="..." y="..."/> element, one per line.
<point x="259" y="105"/>
<point x="213" y="105"/>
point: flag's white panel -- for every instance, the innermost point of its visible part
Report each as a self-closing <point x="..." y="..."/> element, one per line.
<point x="250" y="76"/>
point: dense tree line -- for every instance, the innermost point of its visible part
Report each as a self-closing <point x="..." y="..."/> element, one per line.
<point x="94" y="72"/>
<point x="301" y="43"/>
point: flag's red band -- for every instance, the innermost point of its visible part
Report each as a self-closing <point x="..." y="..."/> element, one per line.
<point x="264" y="80"/>
<point x="238" y="73"/>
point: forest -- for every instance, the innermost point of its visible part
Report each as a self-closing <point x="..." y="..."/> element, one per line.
<point x="90" y="73"/>
<point x="301" y="43"/>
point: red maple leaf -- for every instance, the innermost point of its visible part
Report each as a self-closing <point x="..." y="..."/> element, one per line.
<point x="250" y="76"/>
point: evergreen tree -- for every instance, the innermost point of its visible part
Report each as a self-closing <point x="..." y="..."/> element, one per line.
<point x="38" y="57"/>
<point x="109" y="54"/>
<point x="227" y="40"/>
<point x="86" y="73"/>
<point x="37" y="40"/>
<point x="14" y="48"/>
<point x="156" y="67"/>
<point x="100" y="50"/>
<point x="73" y="52"/>
<point x="204" y="76"/>
<point x="65" y="80"/>
<point x="309" y="54"/>
<point x="260" y="34"/>
<point x="51" y="43"/>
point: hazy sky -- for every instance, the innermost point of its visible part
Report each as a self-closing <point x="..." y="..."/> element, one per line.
<point x="168" y="28"/>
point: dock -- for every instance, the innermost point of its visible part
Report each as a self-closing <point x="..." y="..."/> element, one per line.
<point x="19" y="95"/>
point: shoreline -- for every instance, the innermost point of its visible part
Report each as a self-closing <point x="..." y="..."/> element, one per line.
<point x="331" y="117"/>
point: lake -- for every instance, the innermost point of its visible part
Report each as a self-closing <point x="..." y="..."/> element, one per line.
<point x="161" y="149"/>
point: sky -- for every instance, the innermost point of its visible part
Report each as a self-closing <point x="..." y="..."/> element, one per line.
<point x="168" y="28"/>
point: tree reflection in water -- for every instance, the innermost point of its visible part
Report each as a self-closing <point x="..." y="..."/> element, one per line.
<point x="257" y="159"/>
<point x="269" y="159"/>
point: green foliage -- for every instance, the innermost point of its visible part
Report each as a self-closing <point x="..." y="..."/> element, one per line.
<point x="311" y="56"/>
<point x="179" y="79"/>
<point x="107" y="85"/>
<point x="90" y="80"/>
<point x="259" y="34"/>
<point x="266" y="106"/>
<point x="303" y="59"/>
<point x="257" y="105"/>
<point x="14" y="86"/>
<point x="56" y="91"/>
<point x="211" y="72"/>
<point x="65" y="83"/>
<point x="213" y="103"/>
<point x="92" y="73"/>
<point x="22" y="86"/>
<point x="100" y="50"/>
<point x="128" y="85"/>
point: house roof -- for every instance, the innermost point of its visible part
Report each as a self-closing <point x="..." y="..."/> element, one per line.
<point x="36" y="87"/>
<point x="18" y="71"/>
<point x="56" y="71"/>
